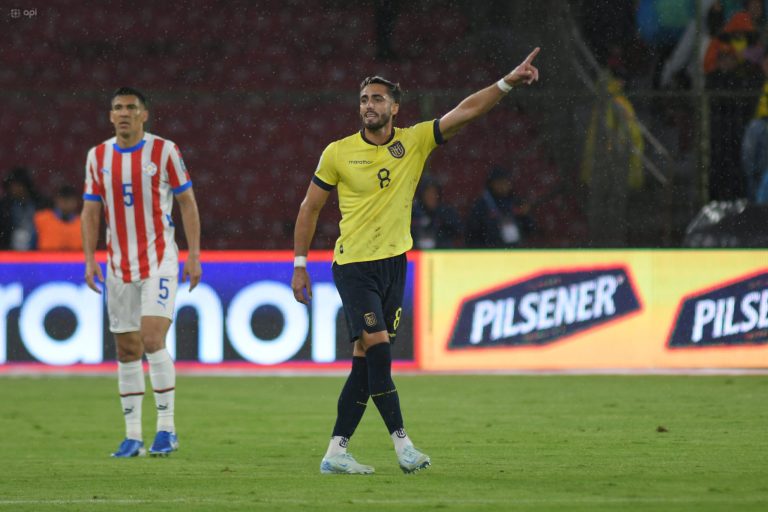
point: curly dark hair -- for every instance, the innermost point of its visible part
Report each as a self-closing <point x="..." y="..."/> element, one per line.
<point x="394" y="87"/>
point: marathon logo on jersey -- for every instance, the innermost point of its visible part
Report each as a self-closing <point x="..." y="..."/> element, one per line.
<point x="149" y="169"/>
<point x="545" y="308"/>
<point x="736" y="314"/>
<point x="397" y="149"/>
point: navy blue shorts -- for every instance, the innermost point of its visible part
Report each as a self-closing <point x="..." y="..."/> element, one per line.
<point x="372" y="294"/>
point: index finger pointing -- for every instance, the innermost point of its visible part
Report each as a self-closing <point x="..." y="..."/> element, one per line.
<point x="532" y="55"/>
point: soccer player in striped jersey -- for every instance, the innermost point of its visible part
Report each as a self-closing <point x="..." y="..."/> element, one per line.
<point x="375" y="172"/>
<point x="135" y="176"/>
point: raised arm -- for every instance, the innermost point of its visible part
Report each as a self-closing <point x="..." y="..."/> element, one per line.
<point x="306" y="223"/>
<point x="190" y="217"/>
<point x="477" y="104"/>
<point x="89" y="226"/>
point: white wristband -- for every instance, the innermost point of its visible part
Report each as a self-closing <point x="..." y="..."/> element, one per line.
<point x="504" y="86"/>
<point x="300" y="261"/>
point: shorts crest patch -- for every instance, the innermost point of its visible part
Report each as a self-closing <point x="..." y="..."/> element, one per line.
<point x="370" y="319"/>
<point x="397" y="149"/>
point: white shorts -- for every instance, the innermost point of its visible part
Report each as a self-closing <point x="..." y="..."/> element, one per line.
<point x="128" y="302"/>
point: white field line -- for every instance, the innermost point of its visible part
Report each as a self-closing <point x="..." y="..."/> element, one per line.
<point x="509" y="501"/>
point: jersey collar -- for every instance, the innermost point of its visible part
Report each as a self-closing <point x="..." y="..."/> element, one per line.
<point x="133" y="148"/>
<point x="391" y="136"/>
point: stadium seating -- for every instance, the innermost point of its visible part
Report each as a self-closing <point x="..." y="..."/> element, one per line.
<point x="252" y="93"/>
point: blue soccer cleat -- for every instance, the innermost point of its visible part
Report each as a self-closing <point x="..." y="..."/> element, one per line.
<point x="165" y="443"/>
<point x="130" y="448"/>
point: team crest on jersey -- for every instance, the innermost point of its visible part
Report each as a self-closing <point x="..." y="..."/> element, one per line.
<point x="370" y="319"/>
<point x="150" y="169"/>
<point x="397" y="149"/>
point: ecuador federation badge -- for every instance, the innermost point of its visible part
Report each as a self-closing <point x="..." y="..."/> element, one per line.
<point x="397" y="149"/>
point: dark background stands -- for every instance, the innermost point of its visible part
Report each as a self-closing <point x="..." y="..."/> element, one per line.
<point x="434" y="225"/>
<point x="497" y="219"/>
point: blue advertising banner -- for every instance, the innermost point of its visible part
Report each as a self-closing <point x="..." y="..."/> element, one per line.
<point x="243" y="310"/>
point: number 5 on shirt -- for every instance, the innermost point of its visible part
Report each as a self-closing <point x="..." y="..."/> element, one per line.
<point x="128" y="194"/>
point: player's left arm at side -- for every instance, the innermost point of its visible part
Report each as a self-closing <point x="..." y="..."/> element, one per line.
<point x="479" y="103"/>
<point x="190" y="217"/>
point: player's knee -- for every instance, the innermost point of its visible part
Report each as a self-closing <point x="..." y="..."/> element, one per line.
<point x="152" y="342"/>
<point x="369" y="339"/>
<point x="129" y="354"/>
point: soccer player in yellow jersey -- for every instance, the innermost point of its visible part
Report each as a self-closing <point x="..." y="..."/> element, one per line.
<point x="376" y="172"/>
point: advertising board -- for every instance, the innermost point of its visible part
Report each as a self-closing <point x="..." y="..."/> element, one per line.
<point x="243" y="311"/>
<point x="612" y="309"/>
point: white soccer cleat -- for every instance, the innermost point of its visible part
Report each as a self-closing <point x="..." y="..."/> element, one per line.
<point x="343" y="464"/>
<point x="412" y="460"/>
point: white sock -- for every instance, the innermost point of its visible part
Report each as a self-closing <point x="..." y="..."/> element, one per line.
<point x="337" y="445"/>
<point x="401" y="440"/>
<point x="130" y="383"/>
<point x="163" y="376"/>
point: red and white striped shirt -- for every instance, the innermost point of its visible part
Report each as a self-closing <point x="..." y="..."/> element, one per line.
<point x="136" y="186"/>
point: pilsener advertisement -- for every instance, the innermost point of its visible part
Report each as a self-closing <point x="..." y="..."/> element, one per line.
<point x="560" y="310"/>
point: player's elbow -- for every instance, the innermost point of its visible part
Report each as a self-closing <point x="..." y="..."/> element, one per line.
<point x="310" y="207"/>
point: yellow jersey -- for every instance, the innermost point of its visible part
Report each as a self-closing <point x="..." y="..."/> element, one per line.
<point x="376" y="185"/>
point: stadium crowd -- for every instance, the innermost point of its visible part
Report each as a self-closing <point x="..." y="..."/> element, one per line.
<point x="227" y="94"/>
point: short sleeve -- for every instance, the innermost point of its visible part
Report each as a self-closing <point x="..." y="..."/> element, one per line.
<point x="428" y="134"/>
<point x="92" y="188"/>
<point x="326" y="172"/>
<point x="177" y="171"/>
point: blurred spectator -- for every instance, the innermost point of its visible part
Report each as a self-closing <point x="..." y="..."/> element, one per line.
<point x="58" y="228"/>
<point x="434" y="225"/>
<point x="761" y="197"/>
<point x="739" y="36"/>
<point x="497" y="219"/>
<point x="679" y="69"/>
<point x="730" y="111"/>
<point x="660" y="22"/>
<point x="754" y="145"/>
<point x="17" y="211"/>
<point x="612" y="162"/>
<point x="756" y="47"/>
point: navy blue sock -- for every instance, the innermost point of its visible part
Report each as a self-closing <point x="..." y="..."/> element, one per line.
<point x="353" y="399"/>
<point x="381" y="387"/>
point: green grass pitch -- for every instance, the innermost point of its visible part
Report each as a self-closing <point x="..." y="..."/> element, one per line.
<point x="528" y="443"/>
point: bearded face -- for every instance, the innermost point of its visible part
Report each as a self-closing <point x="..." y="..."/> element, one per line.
<point x="376" y="107"/>
<point x="375" y="121"/>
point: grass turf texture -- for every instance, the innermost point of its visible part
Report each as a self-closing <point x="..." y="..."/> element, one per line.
<point x="576" y="443"/>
